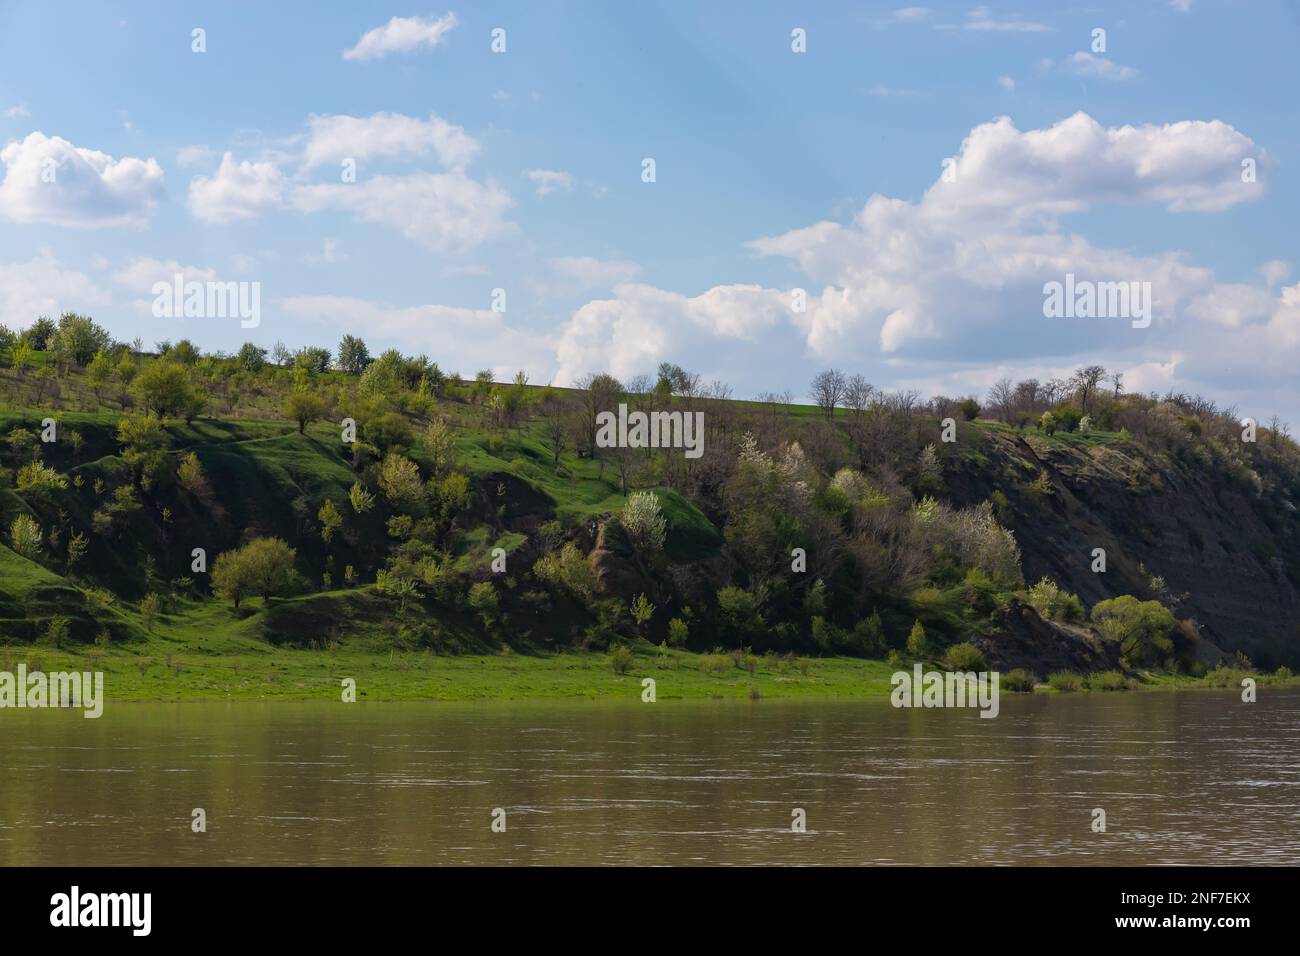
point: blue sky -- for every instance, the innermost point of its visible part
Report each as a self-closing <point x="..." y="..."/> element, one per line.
<point x="522" y="171"/>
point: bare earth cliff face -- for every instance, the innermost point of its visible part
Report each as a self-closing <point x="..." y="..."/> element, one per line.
<point x="1228" y="554"/>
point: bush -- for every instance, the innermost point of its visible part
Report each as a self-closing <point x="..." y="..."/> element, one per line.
<point x="969" y="409"/>
<point x="1108" y="680"/>
<point x="678" y="632"/>
<point x="964" y="657"/>
<point x="1052" y="603"/>
<point x="1142" y="629"/>
<point x="917" y="645"/>
<point x="620" y="659"/>
<point x="644" y="523"/>
<point x="1019" y="681"/>
<point x="715" y="663"/>
<point x="1065" y="681"/>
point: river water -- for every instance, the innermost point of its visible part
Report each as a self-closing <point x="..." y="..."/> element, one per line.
<point x="1190" y="777"/>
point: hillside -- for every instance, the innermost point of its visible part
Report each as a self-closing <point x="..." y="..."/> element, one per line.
<point x="853" y="528"/>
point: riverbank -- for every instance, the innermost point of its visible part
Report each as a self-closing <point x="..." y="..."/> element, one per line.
<point x="161" y="671"/>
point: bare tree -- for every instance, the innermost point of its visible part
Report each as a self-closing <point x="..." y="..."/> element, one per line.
<point x="1085" y="381"/>
<point x="1002" y="398"/>
<point x="828" y="390"/>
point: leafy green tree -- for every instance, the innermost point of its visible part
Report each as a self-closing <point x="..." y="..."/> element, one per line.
<point x="78" y="338"/>
<point x="362" y="500"/>
<point x="262" y="567"/>
<point x="353" y="355"/>
<point x="644" y="522"/>
<point x="642" y="611"/>
<point x="483" y="599"/>
<point x="41" y="333"/>
<point x="26" y="537"/>
<point x="330" y="520"/>
<point x="150" y="608"/>
<point x="1143" y="629"/>
<point x="918" y="645"/>
<point x="303" y="406"/>
<point x="250" y="357"/>
<point x="99" y="373"/>
<point x="399" y="480"/>
<point x="166" y="389"/>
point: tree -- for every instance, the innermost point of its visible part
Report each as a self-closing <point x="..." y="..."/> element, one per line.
<point x="125" y="373"/>
<point x="642" y="611"/>
<point x="280" y="355"/>
<point x="644" y="523"/>
<point x="184" y="352"/>
<point x="191" y="476"/>
<point x="353" y="355"/>
<point x="483" y="599"/>
<point x="1085" y="382"/>
<point x="99" y="373"/>
<point x="41" y="333"/>
<point x="330" y="520"/>
<point x="303" y="406"/>
<point x="262" y="567"/>
<point x="362" y="500"/>
<point x="312" y="358"/>
<point x="828" y="390"/>
<point x="25" y="536"/>
<point x="1002" y="399"/>
<point x="399" y="480"/>
<point x="917" y="644"/>
<point x="250" y="357"/>
<point x="165" y="389"/>
<point x="1142" y="629"/>
<point x="969" y="409"/>
<point x="150" y="608"/>
<point x="78" y="339"/>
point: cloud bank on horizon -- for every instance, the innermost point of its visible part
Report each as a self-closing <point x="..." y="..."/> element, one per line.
<point x="911" y="238"/>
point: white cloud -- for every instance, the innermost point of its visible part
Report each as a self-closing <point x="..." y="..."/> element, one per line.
<point x="334" y="138"/>
<point x="445" y="212"/>
<point x="549" y="180"/>
<point x="19" y="111"/>
<point x="1275" y="271"/>
<point x="1007" y="83"/>
<point x="1182" y="6"/>
<point x="467" y="339"/>
<point x="42" y="286"/>
<point x="1089" y="64"/>
<point x="89" y="188"/>
<point x="585" y="272"/>
<point x="944" y="291"/>
<point x="196" y="155"/>
<point x="236" y="191"/>
<point x="329" y="253"/>
<point x="402" y="35"/>
<point x="980" y="19"/>
<point x="142" y="272"/>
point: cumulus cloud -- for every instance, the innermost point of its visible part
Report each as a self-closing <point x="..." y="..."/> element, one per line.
<point x="43" y="286"/>
<point x="334" y="138"/>
<point x="549" y="180"/>
<point x="141" y="272"/>
<point x="445" y="212"/>
<point x="237" y="190"/>
<point x="402" y="35"/>
<point x="946" y="293"/>
<point x="467" y="339"/>
<point x="49" y="180"/>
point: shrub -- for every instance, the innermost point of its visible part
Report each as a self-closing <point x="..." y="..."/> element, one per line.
<point x="644" y="523"/>
<point x="969" y="409"/>
<point x="25" y="535"/>
<point x="1052" y="603"/>
<point x="917" y="645"/>
<point x="1065" y="681"/>
<point x="1018" y="681"/>
<point x="568" y="571"/>
<point x="1142" y="629"/>
<point x="399" y="480"/>
<point x="264" y="567"/>
<point x="964" y="657"/>
<point x="483" y="599"/>
<point x="678" y="632"/>
<point x="714" y="663"/>
<point x="620" y="659"/>
<point x="1108" y="680"/>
